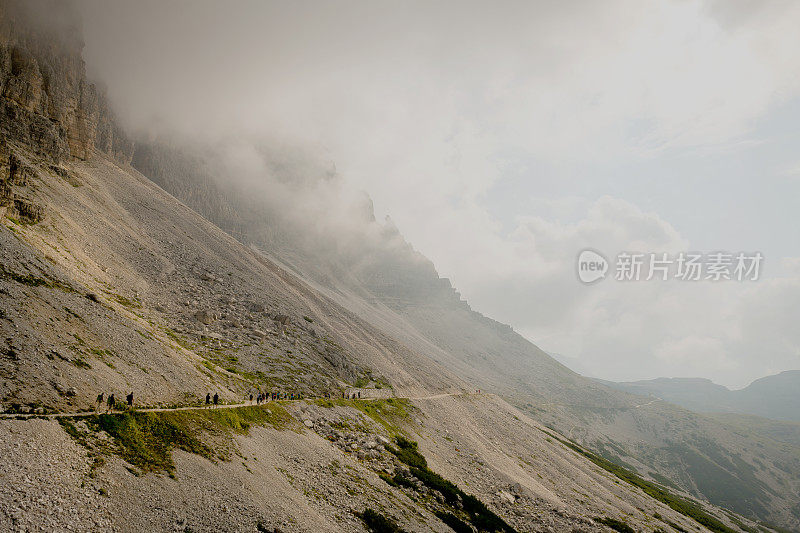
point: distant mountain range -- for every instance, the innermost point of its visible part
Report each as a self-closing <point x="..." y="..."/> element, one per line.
<point x="776" y="397"/>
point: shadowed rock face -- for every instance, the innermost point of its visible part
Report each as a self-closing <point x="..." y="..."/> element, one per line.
<point x="46" y="101"/>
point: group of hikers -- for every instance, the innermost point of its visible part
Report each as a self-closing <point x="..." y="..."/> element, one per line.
<point x="263" y="397"/>
<point x="209" y="399"/>
<point x="111" y="402"/>
<point x="260" y="397"/>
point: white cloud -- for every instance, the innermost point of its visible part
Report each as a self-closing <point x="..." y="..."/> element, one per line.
<point x="430" y="107"/>
<point x="729" y="331"/>
<point x="691" y="350"/>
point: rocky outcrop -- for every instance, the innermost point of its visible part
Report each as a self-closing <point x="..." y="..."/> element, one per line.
<point x="46" y="101"/>
<point x="205" y="317"/>
<point x="15" y="176"/>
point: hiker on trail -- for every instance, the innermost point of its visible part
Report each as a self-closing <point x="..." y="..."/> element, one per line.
<point x="258" y="399"/>
<point x="216" y="399"/>
<point x="251" y="397"/>
<point x="111" y="403"/>
<point x="129" y="399"/>
<point x="359" y="395"/>
<point x="100" y="398"/>
<point x="208" y="399"/>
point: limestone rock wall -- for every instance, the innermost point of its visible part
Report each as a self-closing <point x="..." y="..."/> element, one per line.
<point x="46" y="101"/>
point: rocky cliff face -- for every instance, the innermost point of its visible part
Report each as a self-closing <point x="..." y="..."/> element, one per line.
<point x="46" y="101"/>
<point x="47" y="106"/>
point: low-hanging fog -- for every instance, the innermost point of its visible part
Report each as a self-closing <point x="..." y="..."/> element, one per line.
<point x="502" y="139"/>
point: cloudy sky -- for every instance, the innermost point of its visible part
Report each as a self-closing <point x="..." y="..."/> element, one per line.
<point x="505" y="137"/>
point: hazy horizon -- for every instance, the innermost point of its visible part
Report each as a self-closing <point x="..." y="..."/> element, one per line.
<point x="502" y="142"/>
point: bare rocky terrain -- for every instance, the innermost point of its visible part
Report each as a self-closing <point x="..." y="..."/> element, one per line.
<point x="110" y="284"/>
<point x="318" y="469"/>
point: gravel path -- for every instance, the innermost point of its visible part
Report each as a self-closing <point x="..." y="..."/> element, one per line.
<point x="222" y="406"/>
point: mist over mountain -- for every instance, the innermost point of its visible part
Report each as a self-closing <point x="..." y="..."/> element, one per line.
<point x="502" y="142"/>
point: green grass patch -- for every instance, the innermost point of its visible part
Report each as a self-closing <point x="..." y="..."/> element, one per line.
<point x="239" y="419"/>
<point x="72" y="431"/>
<point x="34" y="281"/>
<point x="177" y="339"/>
<point x="454" y="522"/>
<point x="378" y="523"/>
<point x="146" y="439"/>
<point x="616" y="525"/>
<point x="681" y="505"/>
<point x="127" y="302"/>
<point x="408" y="452"/>
<point x="391" y="413"/>
<point x="25" y="279"/>
<point x="483" y="518"/>
<point x="388" y="479"/>
<point x="101" y="352"/>
<point x="73" y="313"/>
<point x="80" y="363"/>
